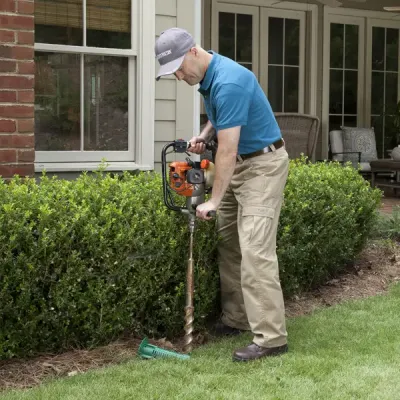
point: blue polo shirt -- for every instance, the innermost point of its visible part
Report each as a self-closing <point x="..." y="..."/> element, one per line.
<point x="233" y="97"/>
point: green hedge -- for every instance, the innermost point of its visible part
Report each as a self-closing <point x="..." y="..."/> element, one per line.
<point x="83" y="261"/>
<point x="328" y="214"/>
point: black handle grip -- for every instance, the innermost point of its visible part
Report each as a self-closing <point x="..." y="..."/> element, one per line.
<point x="208" y="145"/>
<point x="211" y="213"/>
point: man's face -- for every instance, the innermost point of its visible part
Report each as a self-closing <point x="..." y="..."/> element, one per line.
<point x="191" y="70"/>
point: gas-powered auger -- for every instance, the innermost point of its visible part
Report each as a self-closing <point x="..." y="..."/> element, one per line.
<point x="193" y="180"/>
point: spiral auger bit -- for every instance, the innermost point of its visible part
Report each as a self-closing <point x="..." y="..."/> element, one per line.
<point x="193" y="180"/>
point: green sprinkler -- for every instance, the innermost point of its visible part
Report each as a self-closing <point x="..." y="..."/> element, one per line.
<point x="147" y="350"/>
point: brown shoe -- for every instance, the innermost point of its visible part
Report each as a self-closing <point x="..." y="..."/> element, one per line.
<point x="254" y="352"/>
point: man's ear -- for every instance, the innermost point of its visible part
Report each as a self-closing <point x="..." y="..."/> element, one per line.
<point x="194" y="51"/>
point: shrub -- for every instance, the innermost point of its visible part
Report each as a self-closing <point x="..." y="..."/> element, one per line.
<point x="84" y="261"/>
<point x="328" y="214"/>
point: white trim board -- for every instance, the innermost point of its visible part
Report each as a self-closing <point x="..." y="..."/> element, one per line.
<point x="89" y="166"/>
<point x="352" y="12"/>
<point x="145" y="83"/>
<point x="102" y="51"/>
<point x="286" y="5"/>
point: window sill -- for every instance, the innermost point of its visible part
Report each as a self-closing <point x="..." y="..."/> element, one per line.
<point x="90" y="166"/>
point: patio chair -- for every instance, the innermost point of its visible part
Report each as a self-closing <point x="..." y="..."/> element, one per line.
<point x="300" y="132"/>
<point x="357" y="145"/>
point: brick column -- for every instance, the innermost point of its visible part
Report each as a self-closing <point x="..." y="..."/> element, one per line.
<point x="17" y="144"/>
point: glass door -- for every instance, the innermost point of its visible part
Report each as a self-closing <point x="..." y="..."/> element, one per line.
<point x="344" y="75"/>
<point x="343" y="90"/>
<point x="282" y="51"/>
<point x="384" y="84"/>
<point x="237" y="30"/>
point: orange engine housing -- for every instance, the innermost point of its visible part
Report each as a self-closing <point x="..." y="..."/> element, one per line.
<point x="177" y="178"/>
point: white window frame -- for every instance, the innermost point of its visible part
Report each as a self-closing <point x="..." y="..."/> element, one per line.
<point x="339" y="14"/>
<point x="266" y="13"/>
<point x="141" y="94"/>
<point x="311" y="100"/>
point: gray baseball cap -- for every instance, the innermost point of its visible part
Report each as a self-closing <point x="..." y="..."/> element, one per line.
<point x="170" y="49"/>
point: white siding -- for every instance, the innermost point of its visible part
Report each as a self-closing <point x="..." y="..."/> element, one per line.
<point x="165" y="91"/>
<point x="173" y="100"/>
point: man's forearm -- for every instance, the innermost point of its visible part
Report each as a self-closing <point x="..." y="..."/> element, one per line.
<point x="225" y="162"/>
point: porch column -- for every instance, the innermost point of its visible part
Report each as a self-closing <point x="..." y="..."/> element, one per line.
<point x="17" y="144"/>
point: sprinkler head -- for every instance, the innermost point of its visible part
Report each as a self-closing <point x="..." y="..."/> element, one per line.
<point x="147" y="350"/>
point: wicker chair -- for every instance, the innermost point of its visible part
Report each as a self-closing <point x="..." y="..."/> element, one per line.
<point x="300" y="132"/>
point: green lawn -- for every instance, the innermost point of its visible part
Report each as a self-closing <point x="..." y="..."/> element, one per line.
<point x="350" y="351"/>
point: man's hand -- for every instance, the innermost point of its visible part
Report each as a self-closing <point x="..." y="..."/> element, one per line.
<point x="203" y="209"/>
<point x="197" y="145"/>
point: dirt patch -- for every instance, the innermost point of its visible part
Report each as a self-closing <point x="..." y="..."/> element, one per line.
<point x="375" y="269"/>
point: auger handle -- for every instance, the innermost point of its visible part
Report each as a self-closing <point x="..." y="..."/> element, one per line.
<point x="211" y="213"/>
<point x="201" y="140"/>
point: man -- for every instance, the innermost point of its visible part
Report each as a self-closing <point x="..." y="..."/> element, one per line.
<point x="251" y="167"/>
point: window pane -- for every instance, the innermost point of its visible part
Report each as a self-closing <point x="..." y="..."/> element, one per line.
<point x="350" y="92"/>
<point x="292" y="42"/>
<point x="391" y="91"/>
<point x="109" y="23"/>
<point x="336" y="92"/>
<point x="227" y="35"/>
<point x="59" y="22"/>
<point x="378" y="48"/>
<point x="275" y="41"/>
<point x="57" y="101"/>
<point x="351" y="60"/>
<point x="392" y="50"/>
<point x="377" y="92"/>
<point x="244" y="37"/>
<point x="350" y="120"/>
<point x="337" y="35"/>
<point x="275" y="83"/>
<point x="335" y="122"/>
<point x="377" y="124"/>
<point x="391" y="134"/>
<point x="291" y="89"/>
<point x="106" y="103"/>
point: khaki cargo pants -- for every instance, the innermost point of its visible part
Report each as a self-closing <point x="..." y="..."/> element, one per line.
<point x="251" y="294"/>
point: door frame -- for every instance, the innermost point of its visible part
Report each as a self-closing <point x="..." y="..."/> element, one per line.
<point x="311" y="102"/>
<point x="370" y="24"/>
<point x="346" y="20"/>
<point x="239" y="9"/>
<point x="368" y="19"/>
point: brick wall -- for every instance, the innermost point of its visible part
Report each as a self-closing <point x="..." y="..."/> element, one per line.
<point x="17" y="153"/>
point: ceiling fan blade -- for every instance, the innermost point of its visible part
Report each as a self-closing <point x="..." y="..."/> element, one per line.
<point x="330" y="3"/>
<point x="391" y="8"/>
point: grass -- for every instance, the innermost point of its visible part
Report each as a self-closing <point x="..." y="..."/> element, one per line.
<point x="350" y="351"/>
